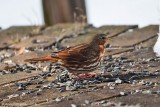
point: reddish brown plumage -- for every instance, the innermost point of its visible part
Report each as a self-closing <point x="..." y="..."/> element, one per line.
<point x="84" y="57"/>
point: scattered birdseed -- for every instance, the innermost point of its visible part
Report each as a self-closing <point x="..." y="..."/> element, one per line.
<point x="21" y="86"/>
<point x="74" y="105"/>
<point x="37" y="93"/>
<point x="112" y="84"/>
<point x="111" y="88"/>
<point x="27" y="92"/>
<point x="123" y="93"/>
<point x="58" y="99"/>
<point x="87" y="102"/>
<point x="39" y="41"/>
<point x="158" y="92"/>
<point x="63" y="82"/>
<point x="70" y="88"/>
<point x="118" y="81"/>
<point x="102" y="102"/>
<point x="28" y="71"/>
<point x="9" y="62"/>
<point x="109" y="104"/>
<point x="13" y="96"/>
<point x="2" y="72"/>
<point x="146" y="92"/>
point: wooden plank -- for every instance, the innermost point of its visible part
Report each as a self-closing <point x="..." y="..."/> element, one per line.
<point x="149" y="43"/>
<point x="47" y="96"/>
<point x="20" y="60"/>
<point x="136" y="37"/>
<point x="15" y="34"/>
<point x="49" y="36"/>
<point x="92" y="96"/>
<point x="12" y="78"/>
<point x="113" y="30"/>
<point x="94" y="92"/>
<point x="144" y="100"/>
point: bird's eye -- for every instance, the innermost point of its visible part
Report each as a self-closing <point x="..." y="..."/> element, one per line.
<point x="102" y="37"/>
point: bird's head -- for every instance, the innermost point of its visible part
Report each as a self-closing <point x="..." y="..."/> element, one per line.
<point x="101" y="39"/>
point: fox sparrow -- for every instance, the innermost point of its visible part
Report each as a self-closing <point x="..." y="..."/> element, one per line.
<point x="80" y="58"/>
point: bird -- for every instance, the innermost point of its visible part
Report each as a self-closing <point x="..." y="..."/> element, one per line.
<point x="82" y="58"/>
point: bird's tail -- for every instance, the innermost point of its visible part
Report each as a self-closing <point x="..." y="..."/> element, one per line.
<point x="46" y="58"/>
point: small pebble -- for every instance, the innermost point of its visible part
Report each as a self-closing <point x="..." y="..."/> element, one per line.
<point x="122" y="104"/>
<point x="62" y="89"/>
<point x="158" y="92"/>
<point x="152" y="65"/>
<point x="137" y="91"/>
<point x="27" y="92"/>
<point x="111" y="84"/>
<point x="109" y="104"/>
<point x="146" y="92"/>
<point x="68" y="83"/>
<point x="21" y="87"/>
<point x="150" y="59"/>
<point x="39" y="41"/>
<point x="118" y="81"/>
<point x="69" y="98"/>
<point x="87" y="102"/>
<point x="1" y="99"/>
<point x="142" y="82"/>
<point x="111" y="88"/>
<point x="8" y="62"/>
<point x="28" y="71"/>
<point x="70" y="88"/>
<point x="2" y="72"/>
<point x="13" y="96"/>
<point x="37" y="93"/>
<point x="122" y="93"/>
<point x="74" y="105"/>
<point x="102" y="102"/>
<point x="58" y="99"/>
<point x="45" y="87"/>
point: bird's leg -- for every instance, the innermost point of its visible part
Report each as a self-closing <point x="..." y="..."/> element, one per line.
<point x="91" y="74"/>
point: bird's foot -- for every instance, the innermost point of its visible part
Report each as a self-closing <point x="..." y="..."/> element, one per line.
<point x="85" y="75"/>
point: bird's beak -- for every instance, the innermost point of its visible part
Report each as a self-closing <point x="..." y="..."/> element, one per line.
<point x="107" y="40"/>
<point x="107" y="44"/>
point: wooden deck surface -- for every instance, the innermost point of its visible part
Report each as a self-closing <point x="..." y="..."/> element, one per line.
<point x="131" y="78"/>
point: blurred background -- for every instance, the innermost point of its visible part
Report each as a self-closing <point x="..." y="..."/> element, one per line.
<point x="96" y="12"/>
